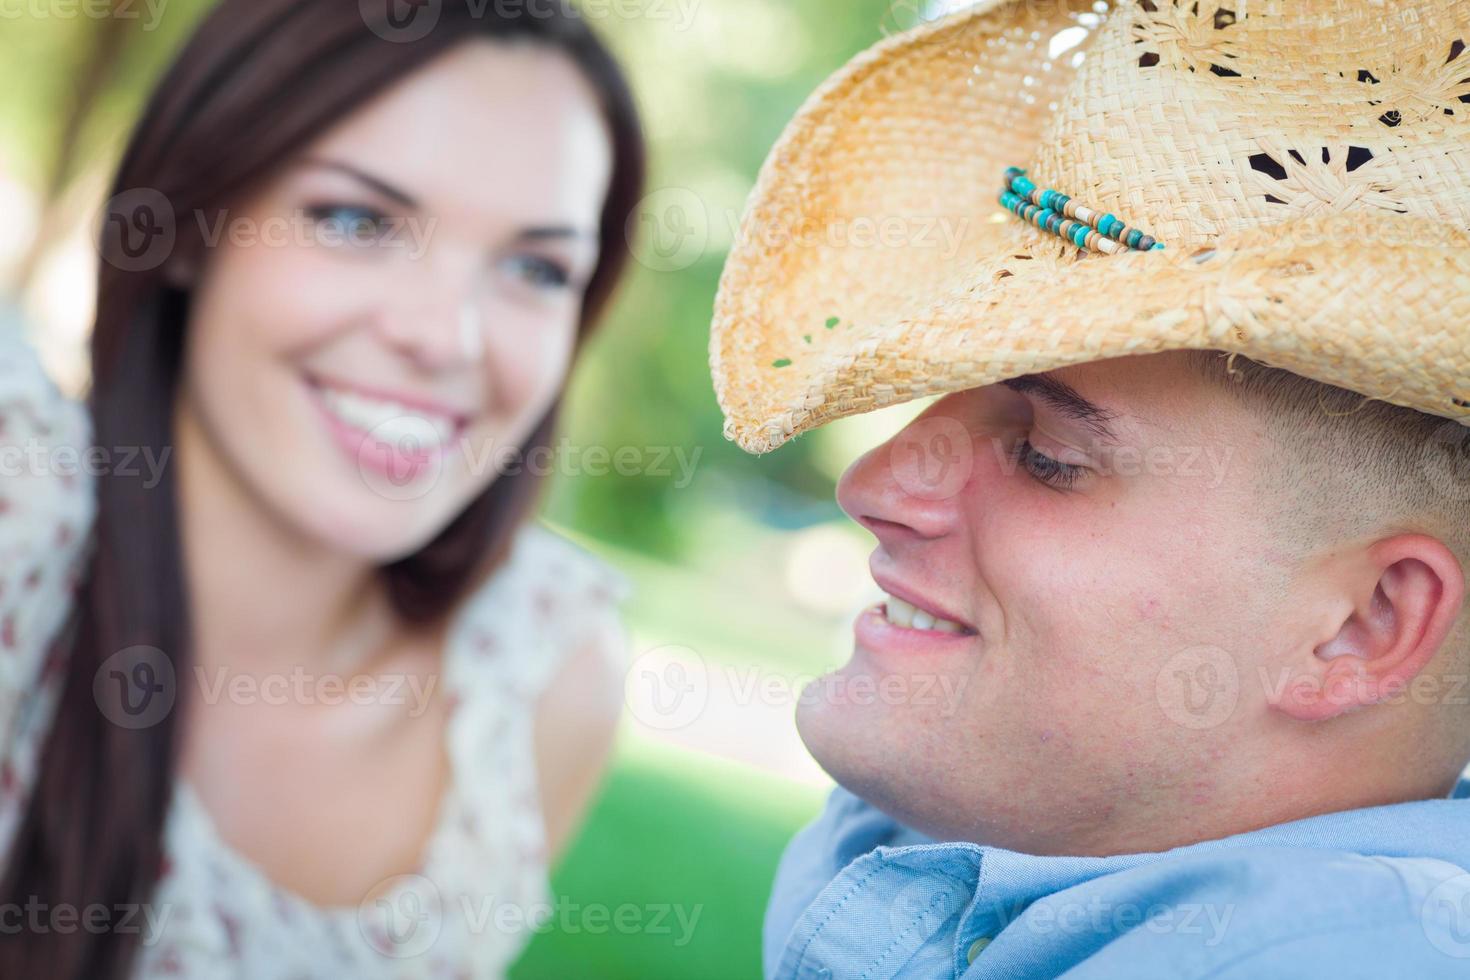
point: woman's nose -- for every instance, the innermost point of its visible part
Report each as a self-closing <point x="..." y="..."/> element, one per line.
<point x="440" y="326"/>
<point x="910" y="486"/>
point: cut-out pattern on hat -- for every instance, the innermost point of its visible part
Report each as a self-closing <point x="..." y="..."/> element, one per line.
<point x="1324" y="179"/>
<point x="1421" y="88"/>
<point x="1190" y="34"/>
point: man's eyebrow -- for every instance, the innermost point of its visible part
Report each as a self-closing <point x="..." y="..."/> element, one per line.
<point x="376" y="183"/>
<point x="1062" y="397"/>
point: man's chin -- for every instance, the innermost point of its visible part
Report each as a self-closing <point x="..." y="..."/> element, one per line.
<point x="904" y="755"/>
<point x="852" y="743"/>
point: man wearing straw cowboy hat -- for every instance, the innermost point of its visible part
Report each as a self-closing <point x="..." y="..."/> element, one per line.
<point x="1211" y="717"/>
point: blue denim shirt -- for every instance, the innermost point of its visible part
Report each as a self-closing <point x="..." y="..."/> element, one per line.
<point x="1374" y="893"/>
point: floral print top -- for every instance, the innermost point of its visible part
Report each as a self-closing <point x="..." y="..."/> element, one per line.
<point x="481" y="887"/>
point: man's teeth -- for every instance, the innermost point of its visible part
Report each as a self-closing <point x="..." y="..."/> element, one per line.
<point x="388" y="421"/>
<point x="905" y="614"/>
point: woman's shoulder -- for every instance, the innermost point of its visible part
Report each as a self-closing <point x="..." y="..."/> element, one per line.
<point x="47" y="500"/>
<point x="550" y="561"/>
<point x="46" y="512"/>
<point x="549" y="600"/>
<point x="58" y="423"/>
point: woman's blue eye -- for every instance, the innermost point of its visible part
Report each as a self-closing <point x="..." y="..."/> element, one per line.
<point x="352" y="223"/>
<point x="1052" y="472"/>
<point x="543" y="273"/>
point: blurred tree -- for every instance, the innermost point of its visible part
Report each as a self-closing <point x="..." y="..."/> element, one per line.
<point x="78" y="75"/>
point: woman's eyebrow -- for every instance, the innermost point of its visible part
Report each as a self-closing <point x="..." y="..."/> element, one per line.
<point x="1062" y="397"/>
<point x="543" y="232"/>
<point x="376" y="183"/>
<point x="533" y="233"/>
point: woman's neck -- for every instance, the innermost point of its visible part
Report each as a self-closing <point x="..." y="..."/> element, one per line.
<point x="264" y="597"/>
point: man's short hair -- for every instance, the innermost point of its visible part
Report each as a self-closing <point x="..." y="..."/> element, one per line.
<point x="1352" y="465"/>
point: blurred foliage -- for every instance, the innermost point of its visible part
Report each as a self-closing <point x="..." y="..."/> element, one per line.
<point x="717" y="81"/>
<point x="715" y="97"/>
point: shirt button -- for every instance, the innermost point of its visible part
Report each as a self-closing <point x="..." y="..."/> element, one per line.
<point x="976" y="948"/>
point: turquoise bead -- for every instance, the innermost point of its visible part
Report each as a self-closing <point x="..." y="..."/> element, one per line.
<point x="1046" y="208"/>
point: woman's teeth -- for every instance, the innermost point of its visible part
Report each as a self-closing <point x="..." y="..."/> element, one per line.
<point x="905" y="614"/>
<point x="388" y="421"/>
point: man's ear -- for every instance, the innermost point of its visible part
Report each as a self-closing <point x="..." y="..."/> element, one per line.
<point x="1402" y="601"/>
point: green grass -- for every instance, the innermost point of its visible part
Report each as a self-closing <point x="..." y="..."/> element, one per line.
<point x="673" y="832"/>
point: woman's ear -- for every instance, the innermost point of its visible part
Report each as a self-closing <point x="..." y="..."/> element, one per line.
<point x="1402" y="606"/>
<point x="181" y="268"/>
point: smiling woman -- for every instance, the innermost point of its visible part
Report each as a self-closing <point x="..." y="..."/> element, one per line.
<point x="343" y="268"/>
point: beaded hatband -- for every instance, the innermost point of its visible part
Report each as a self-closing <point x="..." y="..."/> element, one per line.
<point x="1057" y="213"/>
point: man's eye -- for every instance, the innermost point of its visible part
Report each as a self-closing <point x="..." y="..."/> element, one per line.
<point x="352" y="223"/>
<point x="540" y="272"/>
<point x="1052" y="472"/>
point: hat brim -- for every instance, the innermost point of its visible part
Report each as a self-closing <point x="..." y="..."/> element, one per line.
<point x="810" y="327"/>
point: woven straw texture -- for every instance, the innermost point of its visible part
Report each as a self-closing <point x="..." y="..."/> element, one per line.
<point x="1306" y="162"/>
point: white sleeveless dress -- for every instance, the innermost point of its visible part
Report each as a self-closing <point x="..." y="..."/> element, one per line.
<point x="481" y="887"/>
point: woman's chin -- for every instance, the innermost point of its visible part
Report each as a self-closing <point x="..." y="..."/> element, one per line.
<point x="362" y="525"/>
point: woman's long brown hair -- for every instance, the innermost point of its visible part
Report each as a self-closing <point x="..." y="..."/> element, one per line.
<point x="256" y="82"/>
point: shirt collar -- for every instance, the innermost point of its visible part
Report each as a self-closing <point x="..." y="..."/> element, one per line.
<point x="852" y="845"/>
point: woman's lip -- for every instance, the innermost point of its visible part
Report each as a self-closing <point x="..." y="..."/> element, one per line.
<point x="460" y="417"/>
<point x="918" y="602"/>
<point x="368" y="453"/>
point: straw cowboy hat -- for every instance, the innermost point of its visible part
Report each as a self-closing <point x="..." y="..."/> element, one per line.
<point x="1305" y="163"/>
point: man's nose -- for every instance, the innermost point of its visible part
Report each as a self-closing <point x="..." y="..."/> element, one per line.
<point x="909" y="488"/>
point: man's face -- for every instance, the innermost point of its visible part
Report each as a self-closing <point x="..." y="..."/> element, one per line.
<point x="1112" y="631"/>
